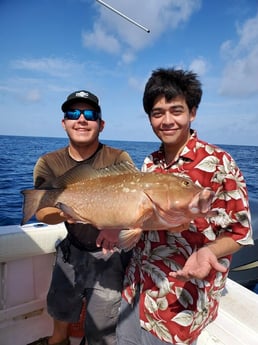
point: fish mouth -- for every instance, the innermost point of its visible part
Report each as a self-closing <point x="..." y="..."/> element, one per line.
<point x="201" y="202"/>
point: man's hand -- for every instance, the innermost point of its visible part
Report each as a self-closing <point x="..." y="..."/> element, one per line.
<point x="108" y="240"/>
<point x="199" y="265"/>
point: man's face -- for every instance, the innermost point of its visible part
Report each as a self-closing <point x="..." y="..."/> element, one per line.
<point x="82" y="131"/>
<point x="171" y="120"/>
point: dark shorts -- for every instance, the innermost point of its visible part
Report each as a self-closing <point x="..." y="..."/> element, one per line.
<point x="92" y="275"/>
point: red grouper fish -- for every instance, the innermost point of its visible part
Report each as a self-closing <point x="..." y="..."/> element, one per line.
<point x="122" y="197"/>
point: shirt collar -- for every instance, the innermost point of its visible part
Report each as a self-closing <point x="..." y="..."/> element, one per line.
<point x="188" y="153"/>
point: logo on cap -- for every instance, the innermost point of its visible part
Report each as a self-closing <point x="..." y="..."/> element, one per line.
<point x="82" y="94"/>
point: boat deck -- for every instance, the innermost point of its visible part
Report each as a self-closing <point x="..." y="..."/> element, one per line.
<point x="27" y="254"/>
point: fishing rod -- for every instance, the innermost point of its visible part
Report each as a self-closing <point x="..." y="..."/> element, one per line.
<point x="123" y="15"/>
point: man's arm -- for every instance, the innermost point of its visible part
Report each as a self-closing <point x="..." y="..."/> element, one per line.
<point x="42" y="175"/>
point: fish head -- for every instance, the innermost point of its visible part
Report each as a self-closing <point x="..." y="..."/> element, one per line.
<point x="179" y="200"/>
<point x="187" y="197"/>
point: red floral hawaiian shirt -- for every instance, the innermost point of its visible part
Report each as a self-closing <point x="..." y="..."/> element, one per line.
<point x="176" y="311"/>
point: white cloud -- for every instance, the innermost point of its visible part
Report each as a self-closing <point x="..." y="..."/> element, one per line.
<point x="50" y="66"/>
<point x="199" y="66"/>
<point x="32" y="95"/>
<point x="100" y="39"/>
<point x="248" y="34"/>
<point x="241" y="71"/>
<point x="136" y="84"/>
<point x="128" y="57"/>
<point x="158" y="16"/>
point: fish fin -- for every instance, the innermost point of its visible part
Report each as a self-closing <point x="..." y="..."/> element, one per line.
<point x="50" y="215"/>
<point x="85" y="171"/>
<point x="127" y="239"/>
<point x="32" y="198"/>
<point x="69" y="211"/>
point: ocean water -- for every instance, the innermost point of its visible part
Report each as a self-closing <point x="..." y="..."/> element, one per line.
<point x="18" y="156"/>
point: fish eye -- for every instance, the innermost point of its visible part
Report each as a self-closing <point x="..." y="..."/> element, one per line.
<point x="185" y="183"/>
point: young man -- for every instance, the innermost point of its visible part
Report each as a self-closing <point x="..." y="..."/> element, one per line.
<point x="82" y="270"/>
<point x="174" y="280"/>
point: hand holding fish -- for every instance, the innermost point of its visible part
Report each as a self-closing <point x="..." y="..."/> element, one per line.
<point x="108" y="240"/>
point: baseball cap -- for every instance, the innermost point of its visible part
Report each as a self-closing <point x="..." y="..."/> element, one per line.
<point x="81" y="96"/>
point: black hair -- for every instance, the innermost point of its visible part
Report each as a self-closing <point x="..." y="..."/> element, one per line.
<point x="171" y="83"/>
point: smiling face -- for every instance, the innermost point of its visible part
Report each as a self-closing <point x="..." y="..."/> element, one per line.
<point x="171" y="120"/>
<point x="82" y="132"/>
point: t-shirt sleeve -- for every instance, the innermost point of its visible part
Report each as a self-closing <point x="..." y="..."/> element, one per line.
<point x="42" y="173"/>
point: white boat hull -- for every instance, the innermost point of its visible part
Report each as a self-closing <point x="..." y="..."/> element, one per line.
<point x="26" y="259"/>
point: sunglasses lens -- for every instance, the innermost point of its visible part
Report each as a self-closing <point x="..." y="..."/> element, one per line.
<point x="72" y="114"/>
<point x="89" y="114"/>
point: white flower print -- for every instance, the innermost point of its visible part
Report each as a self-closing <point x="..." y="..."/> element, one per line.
<point x="243" y="218"/>
<point x="184" y="297"/>
<point x="161" y="252"/>
<point x="209" y="233"/>
<point x="173" y="239"/>
<point x="223" y="219"/>
<point x="184" y="318"/>
<point x="208" y="164"/>
<point x="159" y="328"/>
<point x="219" y="280"/>
<point x="210" y="149"/>
<point x="158" y="277"/>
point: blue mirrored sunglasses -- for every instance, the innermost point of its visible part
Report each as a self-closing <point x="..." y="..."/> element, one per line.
<point x="89" y="114"/>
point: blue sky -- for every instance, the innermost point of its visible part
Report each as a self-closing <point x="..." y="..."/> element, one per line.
<point x="50" y="48"/>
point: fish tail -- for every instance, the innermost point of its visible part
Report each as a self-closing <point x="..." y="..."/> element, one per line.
<point x="32" y="198"/>
<point x="128" y="238"/>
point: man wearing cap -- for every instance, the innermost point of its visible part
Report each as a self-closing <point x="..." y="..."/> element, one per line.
<point x="82" y="269"/>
